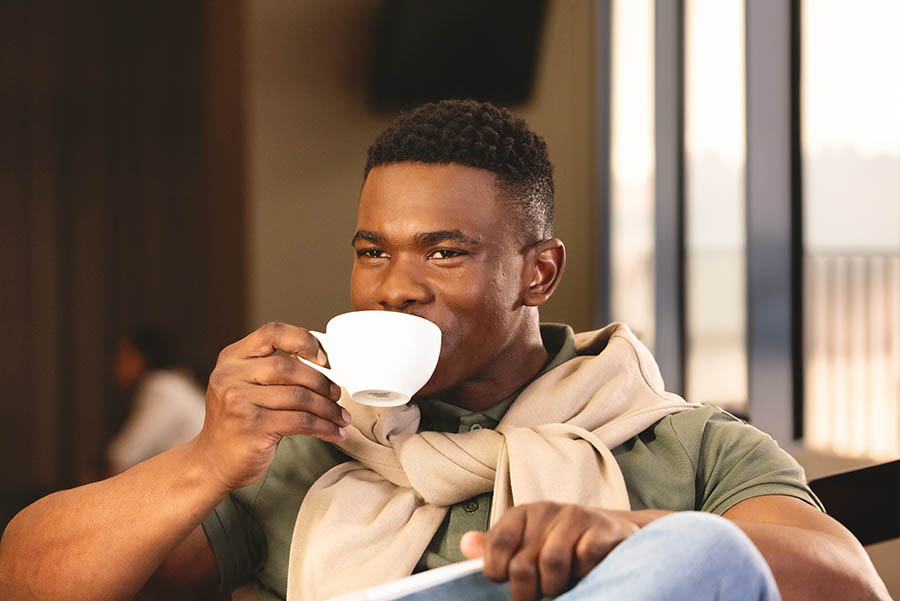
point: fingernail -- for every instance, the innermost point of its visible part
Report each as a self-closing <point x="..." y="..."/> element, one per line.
<point x="321" y="358"/>
<point x="342" y="432"/>
<point x="346" y="415"/>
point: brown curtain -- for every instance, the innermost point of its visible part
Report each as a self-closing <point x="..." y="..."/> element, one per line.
<point x="121" y="185"/>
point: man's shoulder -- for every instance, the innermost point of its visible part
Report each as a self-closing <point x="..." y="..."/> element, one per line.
<point x="693" y="425"/>
<point x="706" y="459"/>
<point x="708" y="428"/>
<point x="692" y="433"/>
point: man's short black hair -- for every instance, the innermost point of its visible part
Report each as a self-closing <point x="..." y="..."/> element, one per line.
<point x="481" y="135"/>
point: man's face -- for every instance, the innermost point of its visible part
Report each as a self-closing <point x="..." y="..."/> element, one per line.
<point x="437" y="242"/>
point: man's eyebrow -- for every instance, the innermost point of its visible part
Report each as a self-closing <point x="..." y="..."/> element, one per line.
<point x="421" y="239"/>
<point x="432" y="238"/>
<point x="373" y="237"/>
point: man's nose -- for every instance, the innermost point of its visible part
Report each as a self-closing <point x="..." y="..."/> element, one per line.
<point x="403" y="284"/>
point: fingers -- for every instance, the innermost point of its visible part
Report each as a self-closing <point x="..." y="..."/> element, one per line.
<point x="297" y="398"/>
<point x="276" y="336"/>
<point x="287" y="423"/>
<point x="524" y="581"/>
<point x="606" y="531"/>
<point x="274" y="394"/>
<point x="284" y="410"/>
<point x="239" y="377"/>
<point x="543" y="549"/>
<point x="503" y="541"/>
<point x="525" y="575"/>
<point x="472" y="544"/>
<point x="555" y="558"/>
<point x="513" y="546"/>
<point x="257" y="395"/>
<point x="286" y="371"/>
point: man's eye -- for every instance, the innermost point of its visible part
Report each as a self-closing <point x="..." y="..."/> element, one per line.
<point x="445" y="253"/>
<point x="370" y="253"/>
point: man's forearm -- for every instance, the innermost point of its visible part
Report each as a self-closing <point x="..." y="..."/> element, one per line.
<point x="103" y="541"/>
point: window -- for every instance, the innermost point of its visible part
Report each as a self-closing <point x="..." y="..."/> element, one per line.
<point x="851" y="216"/>
<point x="632" y="144"/>
<point x="715" y="274"/>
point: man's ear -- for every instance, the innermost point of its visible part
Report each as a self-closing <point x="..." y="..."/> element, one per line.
<point x="546" y="262"/>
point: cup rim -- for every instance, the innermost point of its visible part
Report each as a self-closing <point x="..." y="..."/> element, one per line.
<point x="394" y="315"/>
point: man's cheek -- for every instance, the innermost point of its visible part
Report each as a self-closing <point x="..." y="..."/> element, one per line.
<point x="452" y="351"/>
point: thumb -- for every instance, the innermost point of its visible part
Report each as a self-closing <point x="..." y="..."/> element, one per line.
<point x="472" y="544"/>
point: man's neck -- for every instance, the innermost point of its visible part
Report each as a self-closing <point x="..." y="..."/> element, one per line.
<point x="513" y="368"/>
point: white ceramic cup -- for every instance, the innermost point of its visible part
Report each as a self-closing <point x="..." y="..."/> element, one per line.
<point x="381" y="358"/>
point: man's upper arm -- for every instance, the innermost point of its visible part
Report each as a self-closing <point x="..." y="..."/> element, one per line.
<point x="787" y="511"/>
<point x="810" y="553"/>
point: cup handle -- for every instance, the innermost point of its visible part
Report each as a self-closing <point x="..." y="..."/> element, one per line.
<point x="328" y="373"/>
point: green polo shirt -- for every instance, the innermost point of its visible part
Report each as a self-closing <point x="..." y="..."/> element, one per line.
<point x="702" y="459"/>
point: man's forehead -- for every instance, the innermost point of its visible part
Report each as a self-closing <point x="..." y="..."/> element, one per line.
<point x="422" y="203"/>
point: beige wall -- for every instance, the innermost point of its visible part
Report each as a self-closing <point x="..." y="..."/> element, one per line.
<point x="308" y="129"/>
<point x="561" y="111"/>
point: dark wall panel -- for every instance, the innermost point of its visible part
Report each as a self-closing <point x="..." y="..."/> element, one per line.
<point x="122" y="203"/>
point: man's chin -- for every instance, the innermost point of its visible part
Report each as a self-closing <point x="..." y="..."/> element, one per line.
<point x="433" y="388"/>
<point x="426" y="392"/>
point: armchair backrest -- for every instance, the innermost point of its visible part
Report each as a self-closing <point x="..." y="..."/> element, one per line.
<point x="865" y="500"/>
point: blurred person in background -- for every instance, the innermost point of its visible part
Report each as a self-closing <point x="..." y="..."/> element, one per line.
<point x="167" y="405"/>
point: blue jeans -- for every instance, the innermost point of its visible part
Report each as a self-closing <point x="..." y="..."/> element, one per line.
<point x="684" y="556"/>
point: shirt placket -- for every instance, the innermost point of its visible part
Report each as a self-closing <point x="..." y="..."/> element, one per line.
<point x="474" y="513"/>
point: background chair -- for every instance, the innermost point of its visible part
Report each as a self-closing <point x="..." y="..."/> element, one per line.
<point x="864" y="501"/>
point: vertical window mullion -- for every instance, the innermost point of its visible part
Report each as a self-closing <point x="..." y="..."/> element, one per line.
<point x="602" y="138"/>
<point x="771" y="217"/>
<point x="669" y="306"/>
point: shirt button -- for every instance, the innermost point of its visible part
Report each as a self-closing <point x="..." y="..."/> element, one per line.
<point x="476" y="427"/>
<point x="471" y="506"/>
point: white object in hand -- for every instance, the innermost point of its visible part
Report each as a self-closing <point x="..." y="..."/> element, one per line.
<point x="457" y="581"/>
<point x="382" y="358"/>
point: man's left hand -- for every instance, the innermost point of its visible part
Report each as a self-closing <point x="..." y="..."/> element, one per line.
<point x="544" y="549"/>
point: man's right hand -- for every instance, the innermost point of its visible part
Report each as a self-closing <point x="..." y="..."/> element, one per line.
<point x="256" y="396"/>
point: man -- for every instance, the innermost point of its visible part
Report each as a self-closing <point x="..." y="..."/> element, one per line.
<point x="454" y="225"/>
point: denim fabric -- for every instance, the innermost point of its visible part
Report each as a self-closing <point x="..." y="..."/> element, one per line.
<point x="686" y="556"/>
